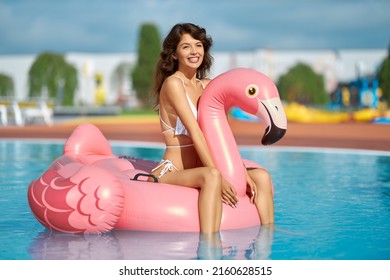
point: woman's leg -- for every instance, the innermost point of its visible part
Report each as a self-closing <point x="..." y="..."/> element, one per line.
<point x="208" y="180"/>
<point x="264" y="200"/>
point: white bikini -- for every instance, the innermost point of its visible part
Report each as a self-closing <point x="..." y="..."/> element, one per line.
<point x="179" y="129"/>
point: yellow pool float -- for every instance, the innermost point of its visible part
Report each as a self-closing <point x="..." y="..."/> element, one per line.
<point x="299" y="113"/>
<point x="366" y="115"/>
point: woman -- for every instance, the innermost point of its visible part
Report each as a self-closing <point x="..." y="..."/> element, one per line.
<point x="179" y="82"/>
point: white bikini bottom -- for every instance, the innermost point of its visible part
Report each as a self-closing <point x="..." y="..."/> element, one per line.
<point x="169" y="166"/>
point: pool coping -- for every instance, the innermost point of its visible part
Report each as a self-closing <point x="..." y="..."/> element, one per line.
<point x="159" y="145"/>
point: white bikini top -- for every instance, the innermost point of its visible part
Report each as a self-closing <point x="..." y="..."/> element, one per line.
<point x="180" y="128"/>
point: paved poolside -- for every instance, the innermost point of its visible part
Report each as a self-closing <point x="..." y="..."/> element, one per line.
<point x="353" y="135"/>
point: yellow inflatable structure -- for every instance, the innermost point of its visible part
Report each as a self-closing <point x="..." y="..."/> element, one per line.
<point x="299" y="113"/>
<point x="303" y="114"/>
<point x="366" y="115"/>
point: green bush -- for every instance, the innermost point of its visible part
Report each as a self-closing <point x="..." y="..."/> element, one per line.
<point x="52" y="72"/>
<point x="149" y="47"/>
<point x="301" y="84"/>
<point x="384" y="78"/>
<point x="6" y="86"/>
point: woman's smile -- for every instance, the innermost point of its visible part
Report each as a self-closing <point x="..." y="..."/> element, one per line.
<point x="194" y="59"/>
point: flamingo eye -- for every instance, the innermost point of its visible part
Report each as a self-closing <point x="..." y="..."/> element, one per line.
<point x="252" y="91"/>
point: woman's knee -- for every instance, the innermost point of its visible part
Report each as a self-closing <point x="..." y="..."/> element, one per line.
<point x="262" y="178"/>
<point x="260" y="174"/>
<point x="212" y="177"/>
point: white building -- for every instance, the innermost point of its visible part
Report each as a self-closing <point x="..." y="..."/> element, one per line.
<point x="336" y="66"/>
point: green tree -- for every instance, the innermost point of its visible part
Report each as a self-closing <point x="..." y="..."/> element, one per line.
<point x="149" y="47"/>
<point x="384" y="77"/>
<point x="6" y="86"/>
<point x="50" y="71"/>
<point x="301" y="84"/>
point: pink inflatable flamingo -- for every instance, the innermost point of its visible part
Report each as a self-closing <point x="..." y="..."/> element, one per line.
<point x="254" y="93"/>
<point x="90" y="190"/>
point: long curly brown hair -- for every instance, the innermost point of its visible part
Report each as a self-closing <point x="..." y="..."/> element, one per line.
<point x="166" y="65"/>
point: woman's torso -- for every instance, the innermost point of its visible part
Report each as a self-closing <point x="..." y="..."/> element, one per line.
<point x="180" y="150"/>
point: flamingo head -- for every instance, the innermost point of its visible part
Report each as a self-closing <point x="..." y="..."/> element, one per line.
<point x="256" y="94"/>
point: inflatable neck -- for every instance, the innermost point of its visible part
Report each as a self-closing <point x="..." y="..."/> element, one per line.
<point x="213" y="108"/>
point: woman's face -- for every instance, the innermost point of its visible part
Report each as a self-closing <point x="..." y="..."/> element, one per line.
<point x="189" y="52"/>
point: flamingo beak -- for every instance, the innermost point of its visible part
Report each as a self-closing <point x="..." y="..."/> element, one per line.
<point x="275" y="119"/>
<point x="272" y="135"/>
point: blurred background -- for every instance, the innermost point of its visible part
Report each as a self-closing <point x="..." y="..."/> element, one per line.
<point x="329" y="59"/>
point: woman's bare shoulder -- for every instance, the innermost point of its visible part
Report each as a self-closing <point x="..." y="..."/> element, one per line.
<point x="172" y="86"/>
<point x="171" y="81"/>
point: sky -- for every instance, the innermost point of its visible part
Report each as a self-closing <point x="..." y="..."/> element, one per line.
<point x="107" y="26"/>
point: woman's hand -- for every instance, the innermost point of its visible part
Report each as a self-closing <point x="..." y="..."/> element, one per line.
<point x="229" y="194"/>
<point x="251" y="187"/>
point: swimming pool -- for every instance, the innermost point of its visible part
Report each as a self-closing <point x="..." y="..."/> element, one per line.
<point x="329" y="204"/>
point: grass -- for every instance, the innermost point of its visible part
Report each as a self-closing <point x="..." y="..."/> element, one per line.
<point x="138" y="112"/>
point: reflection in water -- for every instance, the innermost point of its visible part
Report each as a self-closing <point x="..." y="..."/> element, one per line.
<point x="250" y="243"/>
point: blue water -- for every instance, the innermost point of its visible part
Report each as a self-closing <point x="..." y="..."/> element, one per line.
<point x="329" y="204"/>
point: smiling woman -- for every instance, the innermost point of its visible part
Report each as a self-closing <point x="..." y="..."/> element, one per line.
<point x="179" y="82"/>
<point x="188" y="161"/>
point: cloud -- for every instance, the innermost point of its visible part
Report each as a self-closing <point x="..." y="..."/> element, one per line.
<point x="112" y="26"/>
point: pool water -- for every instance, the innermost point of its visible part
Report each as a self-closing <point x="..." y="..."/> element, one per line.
<point x="329" y="204"/>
